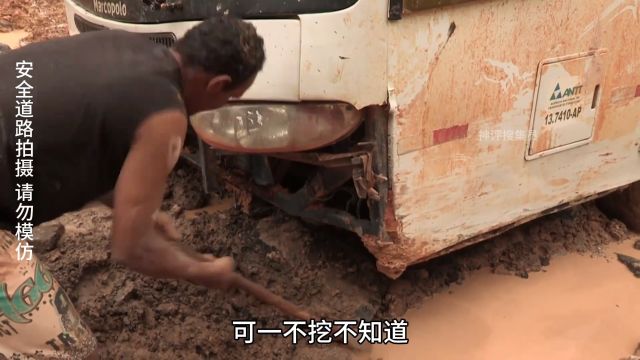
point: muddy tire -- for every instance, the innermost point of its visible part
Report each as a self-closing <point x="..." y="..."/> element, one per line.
<point x="624" y="205"/>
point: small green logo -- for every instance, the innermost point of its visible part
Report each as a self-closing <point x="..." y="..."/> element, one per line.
<point x="558" y="93"/>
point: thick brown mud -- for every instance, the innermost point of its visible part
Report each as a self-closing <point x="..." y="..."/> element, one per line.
<point x="321" y="269"/>
<point x="580" y="307"/>
<point x="41" y="19"/>
<point x="13" y="39"/>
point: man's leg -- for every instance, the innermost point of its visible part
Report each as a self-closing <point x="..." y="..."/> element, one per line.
<point x="36" y="316"/>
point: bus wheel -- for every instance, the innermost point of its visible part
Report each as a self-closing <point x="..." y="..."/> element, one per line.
<point x="624" y="205"/>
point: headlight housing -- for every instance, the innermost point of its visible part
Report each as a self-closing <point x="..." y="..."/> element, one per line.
<point x="273" y="128"/>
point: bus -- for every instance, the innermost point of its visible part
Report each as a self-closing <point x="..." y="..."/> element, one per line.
<point x="423" y="126"/>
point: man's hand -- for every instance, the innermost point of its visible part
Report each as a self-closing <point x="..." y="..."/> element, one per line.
<point x="164" y="224"/>
<point x="214" y="274"/>
<point x="210" y="272"/>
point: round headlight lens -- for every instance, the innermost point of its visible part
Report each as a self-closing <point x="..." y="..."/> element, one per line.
<point x="272" y="128"/>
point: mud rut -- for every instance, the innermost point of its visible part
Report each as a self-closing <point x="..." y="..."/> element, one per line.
<point x="323" y="269"/>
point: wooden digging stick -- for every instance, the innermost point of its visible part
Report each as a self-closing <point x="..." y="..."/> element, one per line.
<point x="265" y="295"/>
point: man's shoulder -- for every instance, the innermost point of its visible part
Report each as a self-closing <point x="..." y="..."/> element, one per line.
<point x="111" y="40"/>
<point x="151" y="87"/>
<point x="114" y="33"/>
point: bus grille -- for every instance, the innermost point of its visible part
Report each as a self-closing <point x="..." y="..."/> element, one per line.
<point x="166" y="39"/>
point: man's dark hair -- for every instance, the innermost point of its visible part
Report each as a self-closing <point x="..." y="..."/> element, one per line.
<point x="223" y="45"/>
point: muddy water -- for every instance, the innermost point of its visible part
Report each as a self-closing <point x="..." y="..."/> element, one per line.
<point x="13" y="38"/>
<point x="580" y="308"/>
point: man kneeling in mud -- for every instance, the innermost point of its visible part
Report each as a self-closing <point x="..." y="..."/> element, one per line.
<point x="108" y="114"/>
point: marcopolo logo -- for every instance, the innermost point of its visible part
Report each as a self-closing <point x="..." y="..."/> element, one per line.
<point x="559" y="93"/>
<point x="110" y="8"/>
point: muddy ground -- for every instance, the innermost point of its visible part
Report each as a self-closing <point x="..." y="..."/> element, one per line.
<point x="41" y="19"/>
<point x="323" y="269"/>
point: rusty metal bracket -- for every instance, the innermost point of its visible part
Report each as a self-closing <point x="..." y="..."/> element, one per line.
<point x="347" y="187"/>
<point x="360" y="160"/>
<point x="327" y="159"/>
<point x="364" y="179"/>
<point x="300" y="203"/>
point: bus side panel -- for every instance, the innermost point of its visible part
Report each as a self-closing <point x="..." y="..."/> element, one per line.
<point x="464" y="80"/>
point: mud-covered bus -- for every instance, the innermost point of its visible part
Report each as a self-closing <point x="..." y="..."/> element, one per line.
<point x="421" y="125"/>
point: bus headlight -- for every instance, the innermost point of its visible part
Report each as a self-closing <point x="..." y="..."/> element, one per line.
<point x="273" y="128"/>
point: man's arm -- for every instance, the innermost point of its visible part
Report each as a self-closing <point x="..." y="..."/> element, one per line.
<point x="138" y="194"/>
